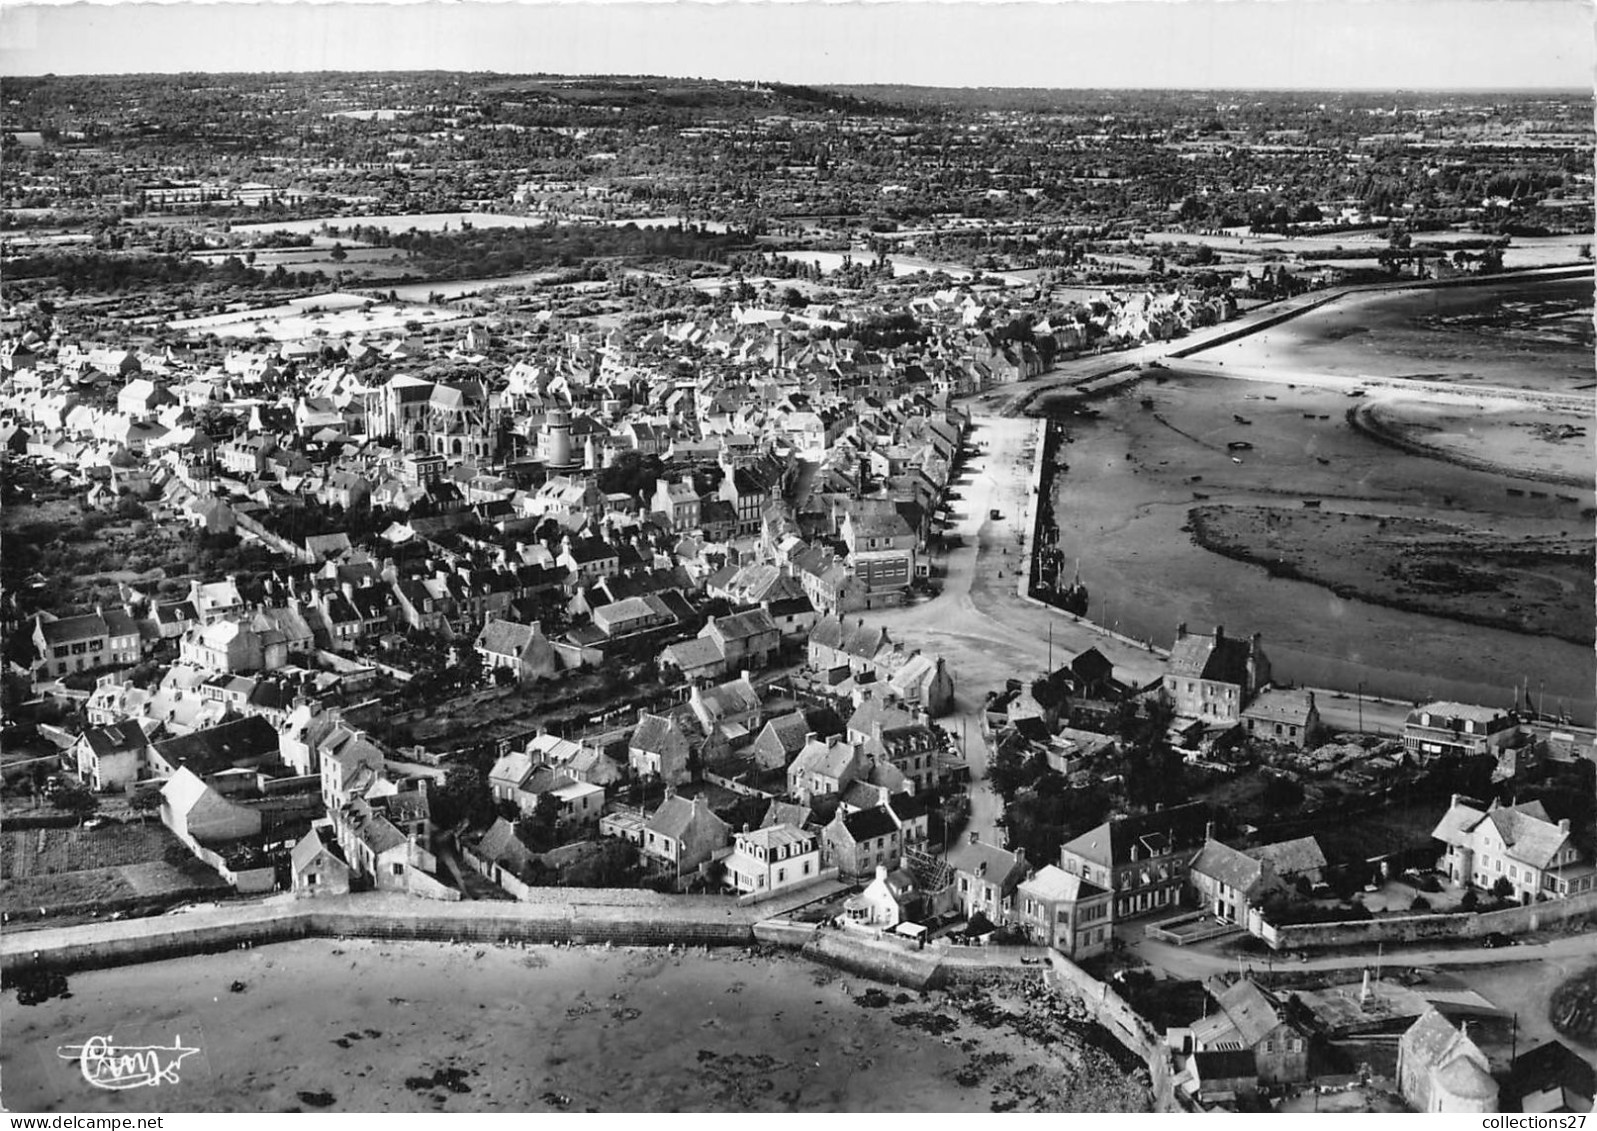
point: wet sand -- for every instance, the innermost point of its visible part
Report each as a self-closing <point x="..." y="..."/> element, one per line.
<point x="380" y="1026"/>
<point x="1526" y="335"/>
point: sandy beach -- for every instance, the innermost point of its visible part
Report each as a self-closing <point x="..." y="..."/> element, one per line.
<point x="1520" y="334"/>
<point x="356" y="1025"/>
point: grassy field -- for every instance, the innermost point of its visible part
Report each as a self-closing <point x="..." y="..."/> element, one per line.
<point x="58" y="867"/>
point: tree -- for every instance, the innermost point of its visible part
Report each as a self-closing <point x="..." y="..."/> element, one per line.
<point x="76" y="799"/>
<point x="145" y="801"/>
<point x="464" y="796"/>
<point x="537" y="830"/>
<point x="1502" y="889"/>
<point x="1007" y="772"/>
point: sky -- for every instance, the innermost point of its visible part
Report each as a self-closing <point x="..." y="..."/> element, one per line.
<point x="1193" y="44"/>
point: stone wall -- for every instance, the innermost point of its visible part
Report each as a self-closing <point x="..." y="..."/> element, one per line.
<point x="1123" y="1023"/>
<point x="1428" y="928"/>
<point x="553" y="920"/>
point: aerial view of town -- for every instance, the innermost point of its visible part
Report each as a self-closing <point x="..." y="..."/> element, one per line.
<point x="582" y="588"/>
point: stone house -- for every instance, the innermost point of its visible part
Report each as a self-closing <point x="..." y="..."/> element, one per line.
<point x="1538" y="857"/>
<point x="771" y="859"/>
<point x="660" y="749"/>
<point x="1061" y="910"/>
<point x="1142" y="859"/>
<point x="1214" y="678"/>
<point x="1282" y="715"/>
<point x="1253" y="1019"/>
<point x="318" y="865"/>
<point x="682" y="834"/>
<point x="986" y="878"/>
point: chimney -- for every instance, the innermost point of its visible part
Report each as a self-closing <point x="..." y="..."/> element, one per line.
<point x="881" y="871"/>
<point x="1219" y="633"/>
<point x="1563" y="825"/>
<point x="1020" y="855"/>
<point x="1456" y="796"/>
<point x="746" y="677"/>
<point x="1181" y="631"/>
<point x="975" y="838"/>
<point x="670" y="792"/>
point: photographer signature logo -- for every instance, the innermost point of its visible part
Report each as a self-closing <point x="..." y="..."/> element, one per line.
<point x="117" y="1068"/>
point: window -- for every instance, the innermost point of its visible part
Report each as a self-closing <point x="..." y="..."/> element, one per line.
<point x="781" y="875"/>
<point x="312" y="879"/>
<point x="399" y="869"/>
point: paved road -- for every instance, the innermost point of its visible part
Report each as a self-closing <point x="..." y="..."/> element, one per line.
<point x="979" y="623"/>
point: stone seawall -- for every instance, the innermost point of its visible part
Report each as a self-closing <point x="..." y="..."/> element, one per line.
<point x="916" y="970"/>
<point x="144" y="940"/>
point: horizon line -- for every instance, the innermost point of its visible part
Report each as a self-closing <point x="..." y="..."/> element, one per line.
<point x="821" y="84"/>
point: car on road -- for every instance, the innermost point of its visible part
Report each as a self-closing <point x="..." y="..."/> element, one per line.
<point x="995" y="514"/>
<point x="1495" y="940"/>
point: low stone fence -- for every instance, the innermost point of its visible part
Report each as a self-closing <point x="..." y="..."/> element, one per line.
<point x="1429" y="928"/>
<point x="736" y="786"/>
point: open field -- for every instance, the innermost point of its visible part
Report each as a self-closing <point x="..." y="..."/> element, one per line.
<point x="369" y="1026"/>
<point x="319" y="316"/>
<point x="61" y="867"/>
<point x="362" y="263"/>
<point x="1538" y="586"/>
<point x="1524" y="252"/>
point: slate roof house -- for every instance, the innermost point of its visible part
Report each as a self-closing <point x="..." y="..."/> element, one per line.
<point x="1231" y="883"/>
<point x="1518" y="843"/>
<point x="318" y="865"/>
<point x="110" y="758"/>
<point x="247" y="743"/>
<point x="1457" y="730"/>
<point x="519" y="648"/>
<point x="1059" y="909"/>
<point x="1214" y="678"/>
<point x="1143" y="859"/>
<point x="1282" y="715"/>
<point x="1251" y="1018"/>
<point x="659" y="748"/>
<point x="986" y="878"/>
<point x="682" y="834"/>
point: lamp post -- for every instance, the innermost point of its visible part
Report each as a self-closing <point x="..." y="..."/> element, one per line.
<point x="1361" y="706"/>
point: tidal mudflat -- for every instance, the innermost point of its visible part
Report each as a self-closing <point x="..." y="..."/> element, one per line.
<point x="357" y="1025"/>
